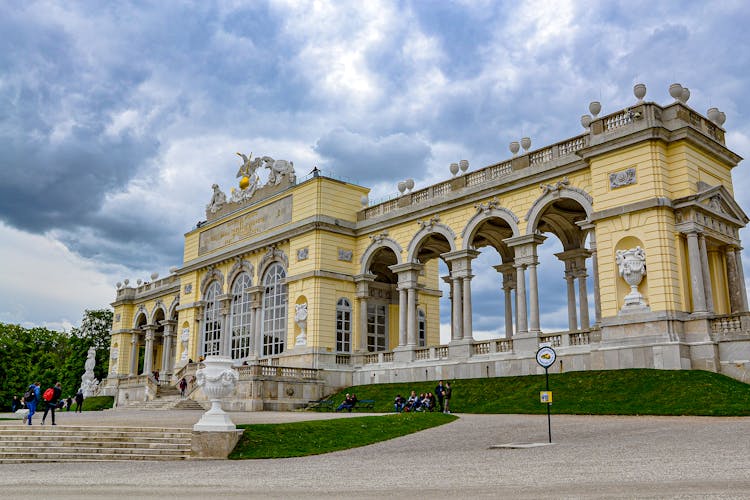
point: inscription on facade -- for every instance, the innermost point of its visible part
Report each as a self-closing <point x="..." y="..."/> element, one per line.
<point x="246" y="226"/>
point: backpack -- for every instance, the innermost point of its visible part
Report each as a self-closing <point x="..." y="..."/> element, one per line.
<point x="29" y="395"/>
<point x="48" y="394"/>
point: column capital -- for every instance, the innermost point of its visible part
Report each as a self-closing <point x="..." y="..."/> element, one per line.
<point x="408" y="273"/>
<point x="460" y="261"/>
<point x="524" y="247"/>
<point x="362" y="282"/>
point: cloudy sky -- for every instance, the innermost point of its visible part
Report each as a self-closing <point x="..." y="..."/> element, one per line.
<point x="116" y="117"/>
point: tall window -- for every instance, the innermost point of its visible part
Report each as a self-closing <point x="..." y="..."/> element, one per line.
<point x="274" y="310"/>
<point x="376" y="330"/>
<point x="212" y="321"/>
<point x="421" y="328"/>
<point x="343" y="326"/>
<point x="241" y="328"/>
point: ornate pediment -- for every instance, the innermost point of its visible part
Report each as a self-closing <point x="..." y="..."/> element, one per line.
<point x="713" y="202"/>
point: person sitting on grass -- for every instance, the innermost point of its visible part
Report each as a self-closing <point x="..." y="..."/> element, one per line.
<point x="398" y="404"/>
<point x="411" y="402"/>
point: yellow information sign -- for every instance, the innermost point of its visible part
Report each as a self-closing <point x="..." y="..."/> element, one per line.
<point x="545" y="396"/>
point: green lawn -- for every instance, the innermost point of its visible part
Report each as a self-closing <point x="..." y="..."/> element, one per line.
<point x="324" y="436"/>
<point x="609" y="392"/>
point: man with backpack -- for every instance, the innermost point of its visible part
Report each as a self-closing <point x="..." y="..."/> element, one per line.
<point x="52" y="396"/>
<point x="31" y="397"/>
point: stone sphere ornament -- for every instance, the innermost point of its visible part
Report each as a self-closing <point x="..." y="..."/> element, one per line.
<point x="154" y="276"/>
<point x="713" y="114"/>
<point x="454" y="169"/>
<point x="463" y="165"/>
<point x="139" y="281"/>
<point x="586" y="121"/>
<point x="639" y="91"/>
<point x="594" y="108"/>
<point x="514" y="147"/>
<point x="126" y="281"/>
<point x="675" y="90"/>
<point x="409" y="184"/>
<point x="526" y="143"/>
<point x="364" y="200"/>
<point x="401" y="187"/>
<point x="722" y="118"/>
<point x="244" y="182"/>
<point x="217" y="380"/>
<point x="685" y="95"/>
<point x="118" y="285"/>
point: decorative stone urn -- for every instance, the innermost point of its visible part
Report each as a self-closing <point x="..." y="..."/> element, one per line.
<point x="632" y="266"/>
<point x="218" y="380"/>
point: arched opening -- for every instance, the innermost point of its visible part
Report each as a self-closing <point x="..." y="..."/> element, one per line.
<point x="211" y="344"/>
<point x="274" y="310"/>
<point x="379" y="301"/>
<point x="138" y="345"/>
<point x="241" y="319"/>
<point x="564" y="304"/>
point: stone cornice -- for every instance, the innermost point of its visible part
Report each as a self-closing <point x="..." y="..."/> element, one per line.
<point x="316" y="223"/>
<point x="319" y="274"/>
<point x="146" y="296"/>
<point x="631" y="207"/>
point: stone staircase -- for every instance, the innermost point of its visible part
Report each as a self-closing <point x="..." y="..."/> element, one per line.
<point x="167" y="398"/>
<point x="21" y="443"/>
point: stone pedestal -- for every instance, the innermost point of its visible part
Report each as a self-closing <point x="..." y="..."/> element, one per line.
<point x="218" y="380"/>
<point x="214" y="444"/>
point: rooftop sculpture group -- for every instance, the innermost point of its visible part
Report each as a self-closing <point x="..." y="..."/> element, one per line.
<point x="250" y="182"/>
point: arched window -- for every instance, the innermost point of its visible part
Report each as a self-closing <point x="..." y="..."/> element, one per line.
<point x="241" y="322"/>
<point x="212" y="321"/>
<point x="343" y="326"/>
<point x="274" y="310"/>
<point x="421" y="328"/>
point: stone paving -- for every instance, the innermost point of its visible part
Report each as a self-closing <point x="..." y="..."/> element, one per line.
<point x="592" y="457"/>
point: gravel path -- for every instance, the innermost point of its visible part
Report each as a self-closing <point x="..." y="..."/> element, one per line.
<point x="592" y="457"/>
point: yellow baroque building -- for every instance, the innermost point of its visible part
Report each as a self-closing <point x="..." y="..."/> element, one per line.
<point x="309" y="288"/>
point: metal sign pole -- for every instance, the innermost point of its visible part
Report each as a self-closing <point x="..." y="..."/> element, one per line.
<point x="549" y="421"/>
<point x="546" y="356"/>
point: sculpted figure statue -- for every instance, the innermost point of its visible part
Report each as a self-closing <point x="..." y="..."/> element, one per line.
<point x="278" y="169"/>
<point x="218" y="200"/>
<point x="300" y="317"/>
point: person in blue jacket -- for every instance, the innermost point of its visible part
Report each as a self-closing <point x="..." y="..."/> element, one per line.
<point x="32" y="402"/>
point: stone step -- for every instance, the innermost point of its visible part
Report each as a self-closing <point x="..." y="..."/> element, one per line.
<point x="23" y="443"/>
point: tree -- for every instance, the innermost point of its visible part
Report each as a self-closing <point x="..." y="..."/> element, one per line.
<point x="28" y="355"/>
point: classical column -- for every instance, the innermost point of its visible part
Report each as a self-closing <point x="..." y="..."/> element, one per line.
<point x="448" y="280"/>
<point x="509" y="284"/>
<point x="411" y="327"/>
<point x="149" y="350"/>
<point x="467" y="330"/>
<point x="696" y="274"/>
<point x="571" y="292"/>
<point x="735" y="295"/>
<point x="457" y="310"/>
<point x="524" y="257"/>
<point x="741" y="276"/>
<point x="583" y="298"/>
<point x="403" y="311"/>
<point x="225" y="302"/>
<point x="256" y="317"/>
<point x="408" y="275"/>
<point x="533" y="298"/>
<point x="706" y="273"/>
<point x="590" y="229"/>
<point x="133" y="353"/>
<point x="459" y="263"/>
<point x="521" y="311"/>
<point x="167" y="357"/>
<point x="362" y="282"/>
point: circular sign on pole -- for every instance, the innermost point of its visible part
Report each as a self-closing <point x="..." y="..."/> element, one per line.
<point x="546" y="357"/>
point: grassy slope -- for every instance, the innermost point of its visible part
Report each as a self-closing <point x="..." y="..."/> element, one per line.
<point x="610" y="392"/>
<point x="324" y="436"/>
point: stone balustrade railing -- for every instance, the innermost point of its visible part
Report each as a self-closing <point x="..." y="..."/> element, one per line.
<point x="601" y="130"/>
<point x="248" y="372"/>
<point x="731" y="325"/>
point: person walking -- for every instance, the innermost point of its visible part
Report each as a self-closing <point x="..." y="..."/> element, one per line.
<point x="440" y="393"/>
<point x="52" y="403"/>
<point x="447" y="397"/>
<point x="31" y="397"/>
<point x="15" y="404"/>
<point x="79" y="401"/>
<point x="183" y="386"/>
